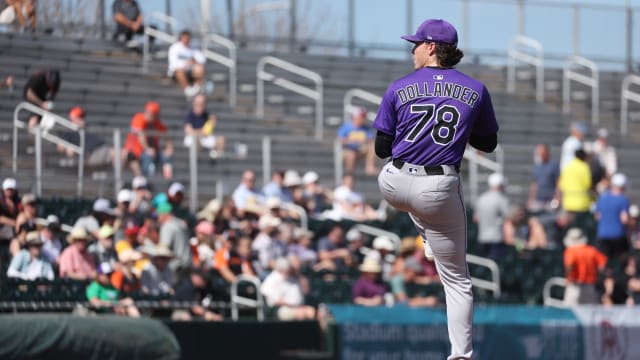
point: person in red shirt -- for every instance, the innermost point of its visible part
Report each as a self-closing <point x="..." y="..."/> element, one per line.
<point x="582" y="263"/>
<point x="143" y="143"/>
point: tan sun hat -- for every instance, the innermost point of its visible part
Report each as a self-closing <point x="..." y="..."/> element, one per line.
<point x="77" y="234"/>
<point x="162" y="251"/>
<point x="128" y="255"/>
<point x="370" y="266"/>
<point x="574" y="237"/>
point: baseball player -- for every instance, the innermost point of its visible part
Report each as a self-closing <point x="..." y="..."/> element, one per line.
<point x="424" y="123"/>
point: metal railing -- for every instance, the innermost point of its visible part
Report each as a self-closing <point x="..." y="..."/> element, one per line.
<point x="477" y="160"/>
<point x="237" y="301"/>
<point x="570" y="73"/>
<point x="517" y="54"/>
<point x="626" y="96"/>
<point x="492" y="285"/>
<point x="231" y="61"/>
<point x="43" y="131"/>
<point x="548" y="300"/>
<point x="157" y="34"/>
<point x="347" y="102"/>
<point x="316" y="94"/>
<point x="374" y="231"/>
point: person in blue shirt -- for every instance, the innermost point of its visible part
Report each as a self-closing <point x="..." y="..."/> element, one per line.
<point x="545" y="175"/>
<point x="357" y="139"/>
<point x="612" y="213"/>
<point x="200" y="125"/>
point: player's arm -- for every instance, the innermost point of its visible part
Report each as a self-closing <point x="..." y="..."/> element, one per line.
<point x="383" y="144"/>
<point x="486" y="143"/>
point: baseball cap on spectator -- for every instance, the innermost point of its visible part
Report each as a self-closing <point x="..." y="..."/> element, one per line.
<point x="29" y="199"/>
<point x="102" y="206"/>
<point x="273" y="203"/>
<point x="131" y="229"/>
<point x="204" y="227"/>
<point x="495" y="180"/>
<point x="292" y="178"/>
<point x="9" y="183"/>
<point x="603" y="133"/>
<point x="164" y="208"/>
<point x="105" y="268"/>
<point x="310" y="177"/>
<point x="634" y="210"/>
<point x="383" y="243"/>
<point x="53" y="223"/>
<point x="574" y="237"/>
<point x="159" y="199"/>
<point x="139" y="182"/>
<point x="175" y="188"/>
<point x="353" y="235"/>
<point x="106" y="231"/>
<point x="152" y="107"/>
<point x="435" y="30"/>
<point x="125" y="195"/>
<point x="370" y="266"/>
<point x="618" y="180"/>
<point x="77" y="111"/>
<point x="268" y="220"/>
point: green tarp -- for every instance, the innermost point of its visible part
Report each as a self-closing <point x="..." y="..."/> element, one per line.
<point x="55" y="336"/>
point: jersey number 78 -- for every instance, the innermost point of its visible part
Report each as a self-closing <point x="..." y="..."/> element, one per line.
<point x="444" y="131"/>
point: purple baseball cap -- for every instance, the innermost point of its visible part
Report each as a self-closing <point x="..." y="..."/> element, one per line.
<point x="436" y="30"/>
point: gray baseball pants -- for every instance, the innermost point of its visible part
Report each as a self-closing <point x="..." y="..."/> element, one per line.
<point x="436" y="207"/>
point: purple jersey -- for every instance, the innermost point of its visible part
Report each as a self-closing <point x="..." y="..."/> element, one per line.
<point x="432" y="112"/>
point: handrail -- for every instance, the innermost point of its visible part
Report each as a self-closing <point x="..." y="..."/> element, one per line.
<point x="475" y="159"/>
<point x="237" y="300"/>
<point x="371" y="230"/>
<point x="230" y="62"/>
<point x="347" y="105"/>
<point x="42" y="131"/>
<point x="593" y="81"/>
<point x="157" y="34"/>
<point x="338" y="164"/>
<point x="316" y="94"/>
<point x="494" y="284"/>
<point x="626" y="96"/>
<point x="546" y="292"/>
<point x="516" y="54"/>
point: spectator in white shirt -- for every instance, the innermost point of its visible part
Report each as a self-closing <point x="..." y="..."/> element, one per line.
<point x="572" y="143"/>
<point x="186" y="65"/>
<point x="29" y="263"/>
<point x="283" y="290"/>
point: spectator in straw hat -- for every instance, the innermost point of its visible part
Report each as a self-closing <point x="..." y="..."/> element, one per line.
<point x="75" y="261"/>
<point x="368" y="290"/>
<point x="157" y="277"/>
<point x="29" y="263"/>
<point x="126" y="278"/>
<point x="612" y="214"/>
<point x="357" y="138"/>
<point x="103" y="249"/>
<point x="582" y="264"/>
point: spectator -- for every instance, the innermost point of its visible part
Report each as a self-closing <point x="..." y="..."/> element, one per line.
<point x="355" y="243"/>
<point x="75" y="261"/>
<point x="302" y="248"/>
<point x="126" y="278"/>
<point x="582" y="263"/>
<point x="40" y="90"/>
<point x="199" y="124"/>
<point x="101" y="213"/>
<point x="233" y="259"/>
<point x="193" y="289"/>
<point x="368" y="290"/>
<point x="573" y="143"/>
<point x="128" y="18"/>
<point x="106" y="298"/>
<point x="275" y="188"/>
<point x="157" y="277"/>
<point x="130" y="240"/>
<point x="245" y="196"/>
<point x="350" y="204"/>
<point x="29" y="263"/>
<point x="612" y="214"/>
<point x="316" y="197"/>
<point x="265" y="242"/>
<point x="634" y="226"/>
<point x="523" y="231"/>
<point x="202" y="245"/>
<point x="174" y="236"/>
<point x="605" y="155"/>
<point x="8" y="81"/>
<point x="186" y="65"/>
<point x="283" y="291"/>
<point x="491" y="208"/>
<point x="122" y="211"/>
<point x="407" y="278"/>
<point x="141" y="203"/>
<point x="332" y="251"/>
<point x="143" y="143"/>
<point x="383" y="253"/>
<point x="103" y="250"/>
<point x="9" y="209"/>
<point x="25" y="222"/>
<point x="291" y="183"/>
<point x="96" y="150"/>
<point x="544" y="180"/>
<point x="575" y="184"/>
<point x="357" y="140"/>
<point x="18" y="12"/>
<point x="51" y="241"/>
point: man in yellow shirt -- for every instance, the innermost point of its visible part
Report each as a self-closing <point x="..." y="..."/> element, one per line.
<point x="575" y="184"/>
